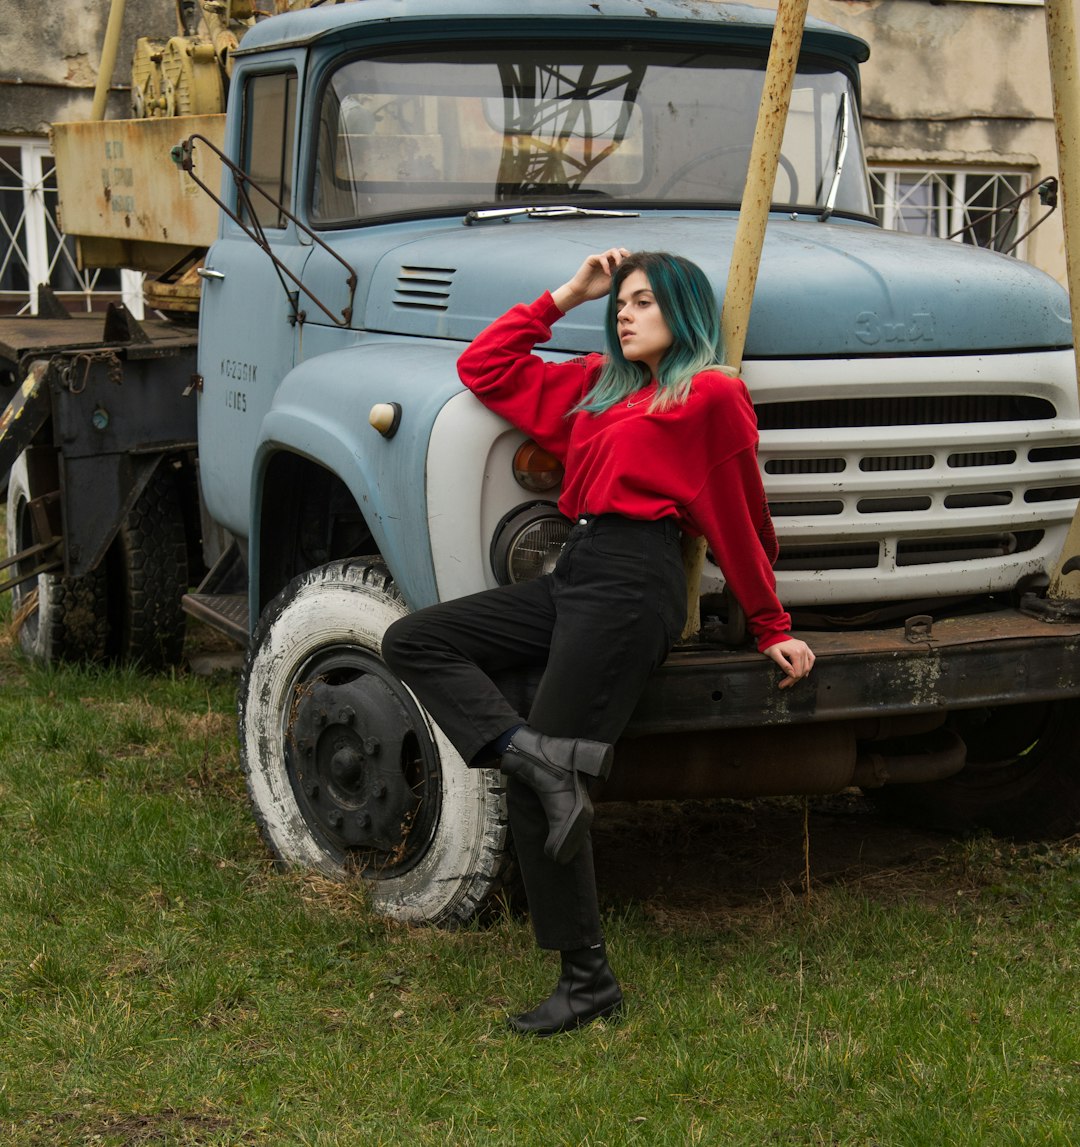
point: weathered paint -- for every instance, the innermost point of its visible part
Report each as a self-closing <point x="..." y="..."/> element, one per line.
<point x="117" y="181"/>
<point x="52" y="56"/>
<point x="23" y="416"/>
<point x="1002" y="658"/>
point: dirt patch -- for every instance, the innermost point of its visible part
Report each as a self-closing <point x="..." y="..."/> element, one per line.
<point x="706" y="858"/>
<point x="132" y="1130"/>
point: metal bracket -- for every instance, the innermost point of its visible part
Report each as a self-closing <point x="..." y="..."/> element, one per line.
<point x="919" y="628"/>
<point x="43" y="551"/>
<point x="1050" y="609"/>
<point x="121" y="326"/>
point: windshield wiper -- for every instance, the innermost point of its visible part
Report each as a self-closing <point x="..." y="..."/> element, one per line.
<point x="548" y="211"/>
<point x="841" y="156"/>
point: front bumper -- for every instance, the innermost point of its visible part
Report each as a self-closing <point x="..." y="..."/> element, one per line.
<point x="998" y="658"/>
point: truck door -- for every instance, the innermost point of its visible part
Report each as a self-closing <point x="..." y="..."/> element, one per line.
<point x="247" y="326"/>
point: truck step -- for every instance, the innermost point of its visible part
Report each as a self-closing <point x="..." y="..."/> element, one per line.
<point x="225" y="612"/>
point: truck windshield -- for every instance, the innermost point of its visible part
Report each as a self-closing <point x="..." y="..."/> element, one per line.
<point x="434" y="133"/>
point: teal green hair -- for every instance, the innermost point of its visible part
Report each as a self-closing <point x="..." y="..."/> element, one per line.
<point x="686" y="300"/>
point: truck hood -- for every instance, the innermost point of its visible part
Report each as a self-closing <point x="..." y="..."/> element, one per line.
<point x="824" y="290"/>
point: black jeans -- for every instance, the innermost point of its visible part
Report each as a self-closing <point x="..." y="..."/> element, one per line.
<point x="600" y="624"/>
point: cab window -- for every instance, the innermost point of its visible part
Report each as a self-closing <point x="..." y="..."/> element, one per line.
<point x="267" y="145"/>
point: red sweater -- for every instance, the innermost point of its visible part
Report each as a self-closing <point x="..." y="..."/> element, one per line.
<point x="695" y="462"/>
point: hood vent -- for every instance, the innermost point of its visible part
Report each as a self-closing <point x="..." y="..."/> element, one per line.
<point x="424" y="288"/>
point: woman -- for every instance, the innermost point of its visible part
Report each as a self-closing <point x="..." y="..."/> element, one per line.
<point x="656" y="438"/>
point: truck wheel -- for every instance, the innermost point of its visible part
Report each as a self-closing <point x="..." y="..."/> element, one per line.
<point x="1022" y="778"/>
<point x="347" y="774"/>
<point x="148" y="576"/>
<point x="58" y="618"/>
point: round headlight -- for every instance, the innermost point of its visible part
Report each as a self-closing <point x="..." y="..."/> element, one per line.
<point x="528" y="542"/>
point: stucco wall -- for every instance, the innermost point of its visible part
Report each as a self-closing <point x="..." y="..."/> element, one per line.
<point x="51" y="53"/>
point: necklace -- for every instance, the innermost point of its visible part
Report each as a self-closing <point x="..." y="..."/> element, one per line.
<point x="637" y="401"/>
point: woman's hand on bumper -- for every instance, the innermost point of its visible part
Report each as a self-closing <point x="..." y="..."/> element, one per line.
<point x="795" y="657"/>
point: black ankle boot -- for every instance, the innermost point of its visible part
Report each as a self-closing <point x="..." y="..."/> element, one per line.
<point x="553" y="768"/>
<point x="587" y="990"/>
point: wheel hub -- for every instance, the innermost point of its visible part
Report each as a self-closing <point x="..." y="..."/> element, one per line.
<point x="354" y="761"/>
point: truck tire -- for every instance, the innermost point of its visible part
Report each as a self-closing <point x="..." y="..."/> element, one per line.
<point x="1022" y="779"/>
<point x="148" y="576"/>
<point x="347" y="773"/>
<point x="58" y="618"/>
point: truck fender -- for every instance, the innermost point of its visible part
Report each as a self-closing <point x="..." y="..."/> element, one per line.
<point x="320" y="412"/>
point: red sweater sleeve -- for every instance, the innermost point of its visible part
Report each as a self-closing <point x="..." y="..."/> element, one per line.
<point x="732" y="513"/>
<point x="499" y="368"/>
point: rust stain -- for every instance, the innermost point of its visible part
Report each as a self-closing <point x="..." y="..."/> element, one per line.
<point x="149" y="203"/>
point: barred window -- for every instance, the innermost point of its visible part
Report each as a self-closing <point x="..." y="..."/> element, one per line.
<point x="943" y="201"/>
<point x="33" y="249"/>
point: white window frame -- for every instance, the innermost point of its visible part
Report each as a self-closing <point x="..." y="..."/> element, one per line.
<point x="26" y="240"/>
<point x="960" y="185"/>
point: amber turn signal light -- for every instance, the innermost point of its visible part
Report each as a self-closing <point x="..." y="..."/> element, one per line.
<point x="535" y="469"/>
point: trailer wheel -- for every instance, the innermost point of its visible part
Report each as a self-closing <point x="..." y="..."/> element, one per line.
<point x="58" y="618"/>
<point x="347" y="774"/>
<point x="148" y="576"/>
<point x="1022" y="778"/>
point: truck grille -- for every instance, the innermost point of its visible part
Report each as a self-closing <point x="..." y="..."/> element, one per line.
<point x="902" y="411"/>
<point x="924" y="551"/>
<point x="963" y="492"/>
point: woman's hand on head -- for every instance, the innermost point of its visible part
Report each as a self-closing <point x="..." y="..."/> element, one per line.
<point x="591" y="281"/>
<point x="795" y="657"/>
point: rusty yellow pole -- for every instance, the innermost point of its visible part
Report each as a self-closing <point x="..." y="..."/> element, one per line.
<point x="1061" y="30"/>
<point x="750" y="234"/>
<point x="108" y="58"/>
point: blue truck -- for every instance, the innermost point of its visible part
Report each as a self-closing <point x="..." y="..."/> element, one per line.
<point x="307" y="467"/>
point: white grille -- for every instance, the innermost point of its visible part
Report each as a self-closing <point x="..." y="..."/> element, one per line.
<point x="879" y="505"/>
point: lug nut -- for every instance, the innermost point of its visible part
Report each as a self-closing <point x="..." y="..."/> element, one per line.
<point x="372" y="745"/>
<point x="335" y="819"/>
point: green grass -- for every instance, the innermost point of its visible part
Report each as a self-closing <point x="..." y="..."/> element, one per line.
<point x="161" y="984"/>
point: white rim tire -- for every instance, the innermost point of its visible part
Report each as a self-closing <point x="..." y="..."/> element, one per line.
<point x="68" y="619"/>
<point x="346" y="772"/>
